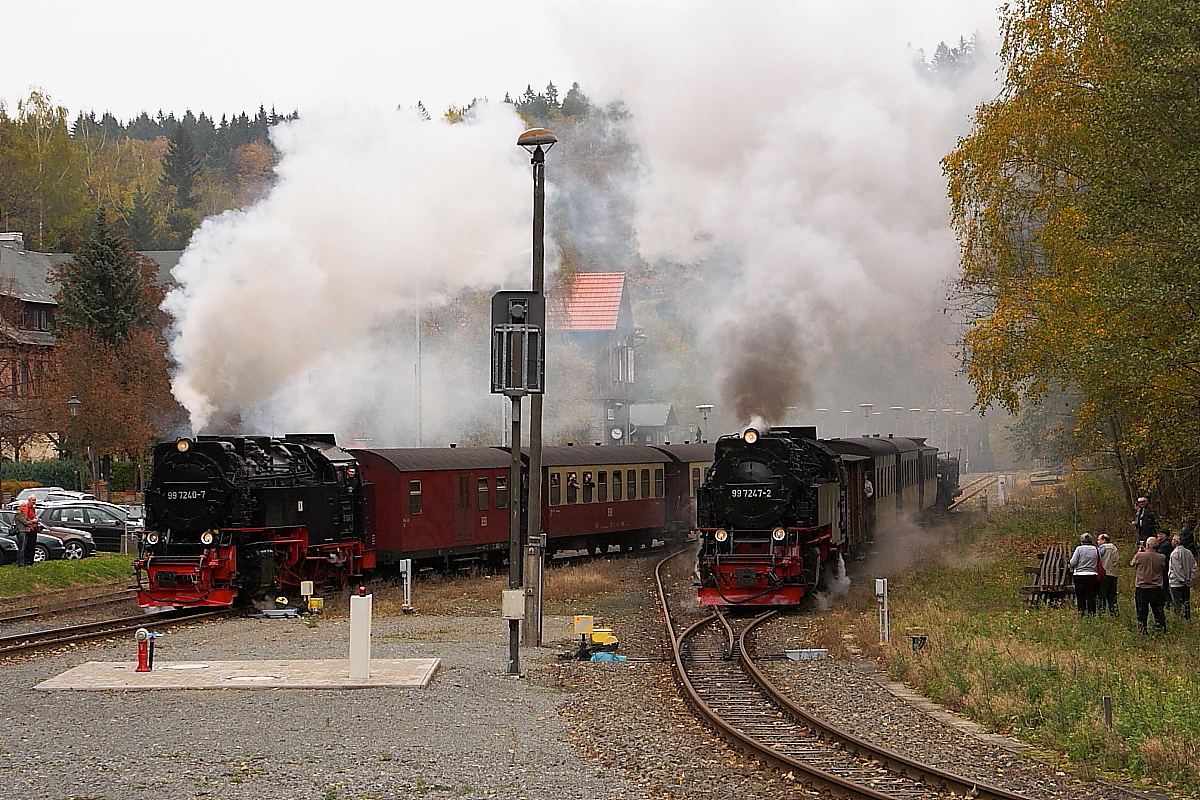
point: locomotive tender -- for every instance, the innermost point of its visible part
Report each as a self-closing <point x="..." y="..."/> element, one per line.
<point x="779" y="508"/>
<point x="238" y="518"/>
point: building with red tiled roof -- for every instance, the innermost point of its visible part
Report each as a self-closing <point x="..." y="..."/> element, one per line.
<point x="595" y="312"/>
<point x="596" y="302"/>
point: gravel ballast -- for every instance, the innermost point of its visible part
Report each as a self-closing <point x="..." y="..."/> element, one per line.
<point x="566" y="730"/>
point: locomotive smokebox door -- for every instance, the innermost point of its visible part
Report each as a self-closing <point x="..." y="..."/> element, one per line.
<point x="518" y="349"/>
<point x="745" y="576"/>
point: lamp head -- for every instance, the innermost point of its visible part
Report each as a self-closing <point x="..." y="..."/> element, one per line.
<point x="536" y="137"/>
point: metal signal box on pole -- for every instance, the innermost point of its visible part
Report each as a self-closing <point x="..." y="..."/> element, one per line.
<point x="518" y="343"/>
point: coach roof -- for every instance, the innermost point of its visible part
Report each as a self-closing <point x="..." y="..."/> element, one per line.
<point x="420" y="459"/>
<point x="613" y="454"/>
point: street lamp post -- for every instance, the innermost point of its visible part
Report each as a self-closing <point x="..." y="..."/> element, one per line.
<point x="704" y="409"/>
<point x="846" y="423"/>
<point x="866" y="407"/>
<point x="896" y="418"/>
<point x="73" y="407"/>
<point x="536" y="141"/>
<point x="822" y="412"/>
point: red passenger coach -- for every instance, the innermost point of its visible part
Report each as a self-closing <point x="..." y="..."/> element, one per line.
<point x="596" y="497"/>
<point x="449" y="504"/>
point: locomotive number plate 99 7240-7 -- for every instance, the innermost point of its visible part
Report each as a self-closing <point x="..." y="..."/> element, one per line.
<point x="764" y="493"/>
<point x="194" y="494"/>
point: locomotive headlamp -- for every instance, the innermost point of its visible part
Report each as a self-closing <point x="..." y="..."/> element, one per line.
<point x="751" y="436"/>
<point x="182" y="445"/>
<point x="721" y="535"/>
<point x="206" y="537"/>
<point x="778" y="534"/>
<point x="152" y="537"/>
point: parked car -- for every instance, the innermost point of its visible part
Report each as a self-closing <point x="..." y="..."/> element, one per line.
<point x="8" y="551"/>
<point x="105" y="523"/>
<point x="65" y="494"/>
<point x="48" y="547"/>
<point x="39" y="492"/>
<point x="75" y="544"/>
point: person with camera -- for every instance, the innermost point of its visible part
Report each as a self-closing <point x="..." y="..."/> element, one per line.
<point x="1148" y="594"/>
<point x="27" y="526"/>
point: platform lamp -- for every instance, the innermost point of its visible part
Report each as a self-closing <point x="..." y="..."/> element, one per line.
<point x="949" y="412"/>
<point x="822" y="412"/>
<point x="537" y="141"/>
<point x="866" y="407"/>
<point x="73" y="406"/>
<point x="705" y="409"/>
<point x="896" y="418"/>
<point x="932" y="421"/>
<point x="846" y="424"/>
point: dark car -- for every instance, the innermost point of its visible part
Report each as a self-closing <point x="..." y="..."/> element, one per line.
<point x="48" y="547"/>
<point x="105" y="523"/>
<point x="72" y="544"/>
<point x="8" y="551"/>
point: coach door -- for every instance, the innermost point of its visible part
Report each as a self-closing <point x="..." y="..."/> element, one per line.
<point x="464" y="515"/>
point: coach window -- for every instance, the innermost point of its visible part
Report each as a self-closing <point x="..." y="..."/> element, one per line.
<point x="695" y="480"/>
<point x="602" y="486"/>
<point x="631" y="484"/>
<point x="645" y="484"/>
<point x="572" y="487"/>
<point x="616" y="484"/>
<point x="501" y="492"/>
<point x="483" y="494"/>
<point x="658" y="483"/>
<point x="555" y="488"/>
<point x="589" y="486"/>
<point x="414" y="498"/>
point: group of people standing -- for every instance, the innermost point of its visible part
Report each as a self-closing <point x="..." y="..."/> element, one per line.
<point x="1164" y="565"/>
<point x="26" y="527"/>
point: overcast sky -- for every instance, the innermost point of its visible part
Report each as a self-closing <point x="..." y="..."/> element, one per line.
<point x="223" y="56"/>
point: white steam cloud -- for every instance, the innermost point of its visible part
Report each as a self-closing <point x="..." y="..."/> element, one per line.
<point x="289" y="309"/>
<point x="804" y="137"/>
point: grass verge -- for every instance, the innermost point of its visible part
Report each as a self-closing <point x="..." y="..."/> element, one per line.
<point x="1041" y="674"/>
<point x="50" y="575"/>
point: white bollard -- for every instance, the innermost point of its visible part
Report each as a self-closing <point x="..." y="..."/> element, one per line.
<point x="360" y="635"/>
<point x="1001" y="490"/>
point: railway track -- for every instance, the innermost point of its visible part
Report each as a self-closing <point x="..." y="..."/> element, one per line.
<point x="973" y="489"/>
<point x="715" y="667"/>
<point x="98" y="630"/>
<point x="33" y="606"/>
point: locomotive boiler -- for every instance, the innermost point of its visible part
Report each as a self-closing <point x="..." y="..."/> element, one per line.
<point x="770" y="513"/>
<point x="250" y="517"/>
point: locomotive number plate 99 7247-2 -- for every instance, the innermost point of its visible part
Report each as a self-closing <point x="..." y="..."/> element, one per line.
<point x="755" y="494"/>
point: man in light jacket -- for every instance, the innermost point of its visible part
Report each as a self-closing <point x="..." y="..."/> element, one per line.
<point x="1182" y="574"/>
<point x="1108" y="587"/>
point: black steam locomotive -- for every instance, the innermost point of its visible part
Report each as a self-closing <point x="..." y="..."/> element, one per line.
<point x="777" y="507"/>
<point x="249" y="516"/>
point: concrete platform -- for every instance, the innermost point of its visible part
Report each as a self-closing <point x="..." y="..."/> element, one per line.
<point x="332" y="673"/>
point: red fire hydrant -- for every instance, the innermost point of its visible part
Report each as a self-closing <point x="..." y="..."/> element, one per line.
<point x="145" y="642"/>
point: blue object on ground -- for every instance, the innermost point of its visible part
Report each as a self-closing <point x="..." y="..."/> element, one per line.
<point x="606" y="657"/>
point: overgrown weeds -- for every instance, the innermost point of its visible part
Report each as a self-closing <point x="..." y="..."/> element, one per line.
<point x="1041" y="674"/>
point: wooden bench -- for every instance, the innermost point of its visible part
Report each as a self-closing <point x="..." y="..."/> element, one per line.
<point x="1052" y="581"/>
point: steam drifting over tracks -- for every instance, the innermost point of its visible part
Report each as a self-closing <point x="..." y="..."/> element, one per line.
<point x="715" y="668"/>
